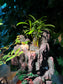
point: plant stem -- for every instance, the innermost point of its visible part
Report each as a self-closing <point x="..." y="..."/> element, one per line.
<point x="38" y="42"/>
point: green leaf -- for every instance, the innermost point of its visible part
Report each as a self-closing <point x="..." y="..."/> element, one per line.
<point x="21" y="23"/>
<point x="17" y="51"/>
<point x="18" y="38"/>
<point x="20" y="53"/>
<point x="24" y="26"/>
<point x="39" y="31"/>
<point x="10" y="58"/>
<point x="31" y="32"/>
<point x="21" y="77"/>
<point x="47" y="29"/>
<point x="26" y="31"/>
<point x="39" y="35"/>
<point x="12" y="52"/>
<point x="6" y="47"/>
<point x="32" y="17"/>
<point x="50" y="25"/>
<point x="5" y="57"/>
<point x="26" y="42"/>
<point x="30" y="23"/>
<point x="1" y="62"/>
<point x="32" y="75"/>
<point x="36" y="22"/>
<point x="17" y="41"/>
<point x="19" y="72"/>
<point x="43" y="17"/>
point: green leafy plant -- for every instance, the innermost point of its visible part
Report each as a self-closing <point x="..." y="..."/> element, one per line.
<point x="23" y="74"/>
<point x="17" y="41"/>
<point x="36" y="27"/>
<point x="1" y="62"/>
<point x="17" y="53"/>
<point x="10" y="56"/>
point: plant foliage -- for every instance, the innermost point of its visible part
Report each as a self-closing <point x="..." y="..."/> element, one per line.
<point x="35" y="27"/>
